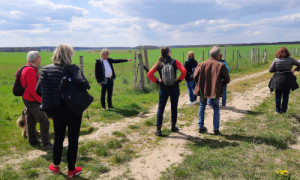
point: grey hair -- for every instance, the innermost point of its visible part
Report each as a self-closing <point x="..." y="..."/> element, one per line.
<point x="104" y="51"/>
<point x="215" y="51"/>
<point x="32" y="55"/>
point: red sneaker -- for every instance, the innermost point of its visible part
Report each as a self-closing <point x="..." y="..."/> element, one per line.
<point x="53" y="169"/>
<point x="77" y="171"/>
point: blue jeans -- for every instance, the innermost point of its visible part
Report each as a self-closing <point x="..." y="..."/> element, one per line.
<point x="224" y="98"/>
<point x="191" y="87"/>
<point x="282" y="107"/>
<point x="215" y="104"/>
<point x="163" y="98"/>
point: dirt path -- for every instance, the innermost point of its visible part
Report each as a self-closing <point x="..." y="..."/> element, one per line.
<point x="152" y="162"/>
<point x="104" y="129"/>
<point x="173" y="146"/>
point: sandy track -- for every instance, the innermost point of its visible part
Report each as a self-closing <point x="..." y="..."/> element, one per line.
<point x="152" y="162"/>
<point x="173" y="146"/>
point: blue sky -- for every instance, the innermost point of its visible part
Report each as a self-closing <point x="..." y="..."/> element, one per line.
<point x="147" y="22"/>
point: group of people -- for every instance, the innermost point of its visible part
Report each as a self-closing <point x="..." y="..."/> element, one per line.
<point x="208" y="80"/>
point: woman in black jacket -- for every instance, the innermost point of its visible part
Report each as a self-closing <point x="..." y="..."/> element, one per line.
<point x="190" y="66"/>
<point x="49" y="89"/>
<point x="284" y="79"/>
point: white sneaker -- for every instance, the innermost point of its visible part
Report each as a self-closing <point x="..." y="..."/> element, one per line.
<point x="194" y="102"/>
<point x="189" y="103"/>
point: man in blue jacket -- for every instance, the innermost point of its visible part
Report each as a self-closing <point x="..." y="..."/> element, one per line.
<point x="105" y="75"/>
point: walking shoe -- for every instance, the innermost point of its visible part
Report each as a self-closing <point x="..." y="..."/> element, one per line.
<point x="158" y="133"/>
<point x="194" y="102"/>
<point x="217" y="132"/>
<point x="53" y="169"/>
<point x="189" y="103"/>
<point x="111" y="107"/>
<point x="174" y="129"/>
<point x="77" y="171"/>
<point x="48" y="147"/>
<point x="37" y="142"/>
<point x="103" y="108"/>
<point x="203" y="130"/>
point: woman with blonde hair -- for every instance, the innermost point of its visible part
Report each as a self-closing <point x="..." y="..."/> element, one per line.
<point x="49" y="88"/>
<point x="190" y="66"/>
<point x="169" y="86"/>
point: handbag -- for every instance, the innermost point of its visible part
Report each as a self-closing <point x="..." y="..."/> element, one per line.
<point x="75" y="97"/>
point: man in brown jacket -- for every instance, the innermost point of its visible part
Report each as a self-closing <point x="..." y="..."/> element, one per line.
<point x="210" y="77"/>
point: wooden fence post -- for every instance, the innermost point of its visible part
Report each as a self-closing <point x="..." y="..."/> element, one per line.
<point x="146" y="64"/>
<point x="233" y="56"/>
<point x="252" y="54"/>
<point x="81" y="62"/>
<point x="135" y="72"/>
<point x="202" y="55"/>
<point x="224" y="53"/>
<point x="142" y="77"/>
<point x="182" y="57"/>
<point x="237" y="58"/>
<point x="81" y="67"/>
<point x="258" y="56"/>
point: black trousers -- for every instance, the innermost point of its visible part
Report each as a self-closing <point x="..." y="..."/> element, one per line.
<point x="63" y="118"/>
<point x="109" y="89"/>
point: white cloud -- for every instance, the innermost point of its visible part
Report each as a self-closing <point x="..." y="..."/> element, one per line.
<point x="128" y="25"/>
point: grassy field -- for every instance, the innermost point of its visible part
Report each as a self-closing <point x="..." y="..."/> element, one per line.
<point x="128" y="102"/>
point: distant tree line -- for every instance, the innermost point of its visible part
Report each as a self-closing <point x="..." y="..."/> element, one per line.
<point x="19" y="49"/>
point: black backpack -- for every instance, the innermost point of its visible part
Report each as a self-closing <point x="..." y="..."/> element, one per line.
<point x="18" y="89"/>
<point x="76" y="98"/>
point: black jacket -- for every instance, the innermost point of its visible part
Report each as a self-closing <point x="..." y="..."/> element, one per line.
<point x="50" y="80"/>
<point x="100" y="71"/>
<point x="285" y="80"/>
<point x="190" y="66"/>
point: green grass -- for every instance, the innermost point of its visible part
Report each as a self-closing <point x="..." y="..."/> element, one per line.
<point x="118" y="134"/>
<point x="253" y="147"/>
<point x="114" y="144"/>
<point x="128" y="102"/>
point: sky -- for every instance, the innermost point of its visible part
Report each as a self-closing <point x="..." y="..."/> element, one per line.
<point x="106" y="23"/>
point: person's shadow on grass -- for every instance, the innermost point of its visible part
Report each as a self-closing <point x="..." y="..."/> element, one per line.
<point x="258" y="140"/>
<point x="198" y="141"/>
<point x="241" y="111"/>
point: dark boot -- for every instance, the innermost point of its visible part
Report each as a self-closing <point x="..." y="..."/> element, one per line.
<point x="158" y="131"/>
<point x="203" y="130"/>
<point x="174" y="128"/>
<point x="217" y="132"/>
